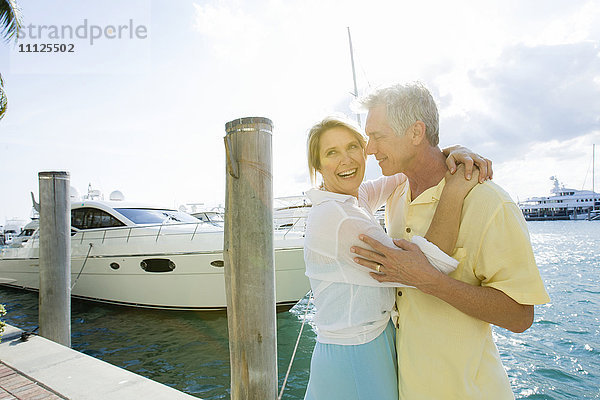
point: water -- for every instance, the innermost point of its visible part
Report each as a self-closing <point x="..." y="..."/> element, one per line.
<point x="557" y="358"/>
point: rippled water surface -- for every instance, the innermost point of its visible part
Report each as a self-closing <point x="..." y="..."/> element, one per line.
<point x="557" y="358"/>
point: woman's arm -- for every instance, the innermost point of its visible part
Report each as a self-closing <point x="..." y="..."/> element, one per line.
<point x="458" y="154"/>
<point x="443" y="230"/>
<point x="376" y="192"/>
<point x="347" y="236"/>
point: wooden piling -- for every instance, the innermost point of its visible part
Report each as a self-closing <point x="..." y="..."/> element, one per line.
<point x="55" y="257"/>
<point x="248" y="255"/>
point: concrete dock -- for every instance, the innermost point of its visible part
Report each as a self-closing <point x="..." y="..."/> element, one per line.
<point x="39" y="369"/>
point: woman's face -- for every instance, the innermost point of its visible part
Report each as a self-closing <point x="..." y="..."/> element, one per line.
<point x="342" y="161"/>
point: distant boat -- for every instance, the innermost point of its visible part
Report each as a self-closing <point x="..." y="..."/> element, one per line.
<point x="290" y="212"/>
<point x="562" y="204"/>
<point x="143" y="256"/>
<point x="12" y="228"/>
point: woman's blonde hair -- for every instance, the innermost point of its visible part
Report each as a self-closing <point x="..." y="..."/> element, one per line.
<point x="314" y="140"/>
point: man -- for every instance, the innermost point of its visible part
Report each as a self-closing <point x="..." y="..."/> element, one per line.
<point x="444" y="340"/>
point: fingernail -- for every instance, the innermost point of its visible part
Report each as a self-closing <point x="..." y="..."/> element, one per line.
<point x="361" y="237"/>
<point x="352" y="250"/>
<point x="468" y="177"/>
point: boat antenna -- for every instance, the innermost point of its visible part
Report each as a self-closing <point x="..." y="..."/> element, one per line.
<point x="355" y="94"/>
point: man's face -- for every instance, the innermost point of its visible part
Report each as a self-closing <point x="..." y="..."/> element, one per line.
<point x="393" y="152"/>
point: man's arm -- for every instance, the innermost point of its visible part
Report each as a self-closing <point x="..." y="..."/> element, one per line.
<point x="407" y="264"/>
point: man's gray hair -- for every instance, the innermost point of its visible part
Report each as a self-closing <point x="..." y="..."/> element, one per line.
<point x="406" y="104"/>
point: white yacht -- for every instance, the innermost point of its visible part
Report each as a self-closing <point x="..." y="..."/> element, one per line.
<point x="26" y="233"/>
<point x="290" y="212"/>
<point x="143" y="256"/>
<point x="562" y="204"/>
<point x="11" y="229"/>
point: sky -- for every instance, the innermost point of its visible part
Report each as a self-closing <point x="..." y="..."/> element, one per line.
<point x="143" y="110"/>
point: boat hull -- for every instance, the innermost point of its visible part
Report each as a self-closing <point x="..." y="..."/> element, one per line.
<point x="176" y="263"/>
<point x="193" y="283"/>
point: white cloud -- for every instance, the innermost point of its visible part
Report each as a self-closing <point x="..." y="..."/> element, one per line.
<point x="527" y="173"/>
<point x="534" y="94"/>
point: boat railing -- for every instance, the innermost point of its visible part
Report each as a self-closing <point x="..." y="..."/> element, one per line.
<point x="290" y="224"/>
<point x="191" y="230"/>
<point x="128" y="233"/>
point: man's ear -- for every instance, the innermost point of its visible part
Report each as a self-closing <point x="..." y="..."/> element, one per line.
<point x="417" y="132"/>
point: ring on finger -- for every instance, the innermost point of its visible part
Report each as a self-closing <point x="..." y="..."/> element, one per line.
<point x="378" y="269"/>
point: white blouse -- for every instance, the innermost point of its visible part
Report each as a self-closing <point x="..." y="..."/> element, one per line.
<point x="352" y="307"/>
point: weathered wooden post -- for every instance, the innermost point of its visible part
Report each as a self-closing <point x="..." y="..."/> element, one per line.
<point x="55" y="257"/>
<point x="248" y="256"/>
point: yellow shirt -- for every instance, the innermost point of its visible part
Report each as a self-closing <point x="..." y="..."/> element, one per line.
<point x="444" y="354"/>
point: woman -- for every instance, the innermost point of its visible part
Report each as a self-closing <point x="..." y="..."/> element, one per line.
<point x="355" y="356"/>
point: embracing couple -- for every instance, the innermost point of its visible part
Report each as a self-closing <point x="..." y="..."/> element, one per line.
<point x="407" y="314"/>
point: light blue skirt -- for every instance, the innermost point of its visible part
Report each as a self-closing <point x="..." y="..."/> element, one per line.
<point x="358" y="372"/>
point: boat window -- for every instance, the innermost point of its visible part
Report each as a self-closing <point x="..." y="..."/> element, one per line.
<point x="89" y="218"/>
<point x="209" y="216"/>
<point x="26" y="232"/>
<point x="155" y="216"/>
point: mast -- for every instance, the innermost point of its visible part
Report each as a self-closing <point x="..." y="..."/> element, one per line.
<point x="593" y="182"/>
<point x="355" y="94"/>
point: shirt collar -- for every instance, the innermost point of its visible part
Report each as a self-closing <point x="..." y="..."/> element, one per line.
<point x="317" y="196"/>
<point x="431" y="195"/>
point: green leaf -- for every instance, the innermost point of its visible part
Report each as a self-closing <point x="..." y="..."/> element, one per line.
<point x="11" y="19"/>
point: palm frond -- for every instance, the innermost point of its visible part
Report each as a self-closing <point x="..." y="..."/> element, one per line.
<point x="3" y="99"/>
<point x="10" y="19"/>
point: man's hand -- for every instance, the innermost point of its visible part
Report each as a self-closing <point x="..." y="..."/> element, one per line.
<point x="406" y="264"/>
